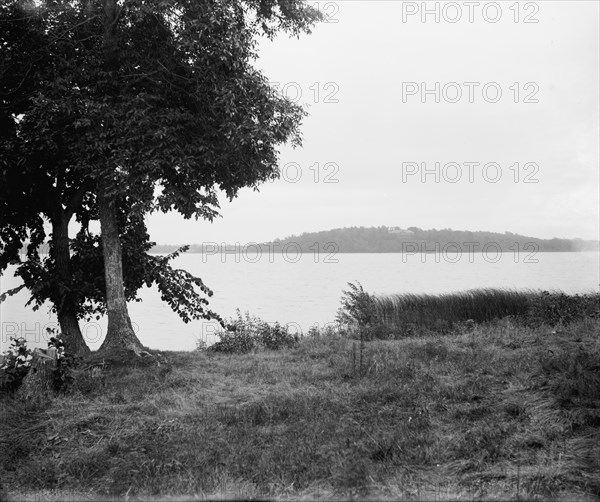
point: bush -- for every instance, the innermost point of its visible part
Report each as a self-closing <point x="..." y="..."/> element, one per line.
<point x="358" y="307"/>
<point x="558" y="308"/>
<point x="17" y="361"/>
<point x="246" y="333"/>
<point x="16" y="364"/>
<point x="327" y="331"/>
<point x="65" y="363"/>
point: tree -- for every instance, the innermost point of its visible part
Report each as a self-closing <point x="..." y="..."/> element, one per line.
<point x="38" y="183"/>
<point x="155" y="95"/>
<point x="35" y="180"/>
<point x="209" y="119"/>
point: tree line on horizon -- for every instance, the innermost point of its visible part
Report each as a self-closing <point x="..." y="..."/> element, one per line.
<point x="382" y="239"/>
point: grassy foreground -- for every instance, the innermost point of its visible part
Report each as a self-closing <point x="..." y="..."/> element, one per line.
<point x="499" y="412"/>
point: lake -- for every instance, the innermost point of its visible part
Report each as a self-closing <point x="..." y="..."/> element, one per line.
<point x="304" y="290"/>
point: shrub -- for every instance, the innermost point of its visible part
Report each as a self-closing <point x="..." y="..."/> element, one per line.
<point x="246" y="333"/>
<point x="201" y="345"/>
<point x="276" y="337"/>
<point x="327" y="331"/>
<point x="358" y="307"/>
<point x="16" y="364"/>
<point x="65" y="363"/>
<point x="17" y="361"/>
<point x="558" y="308"/>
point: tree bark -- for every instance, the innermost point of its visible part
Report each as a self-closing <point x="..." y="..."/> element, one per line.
<point x="71" y="333"/>
<point x="39" y="379"/>
<point x="120" y="332"/>
<point x="65" y="303"/>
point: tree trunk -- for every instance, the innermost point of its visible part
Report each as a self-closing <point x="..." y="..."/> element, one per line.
<point x="120" y="332"/>
<point x="38" y="381"/>
<point x="65" y="303"/>
<point x="69" y="327"/>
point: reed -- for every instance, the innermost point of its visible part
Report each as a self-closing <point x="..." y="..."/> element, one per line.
<point x="399" y="315"/>
<point x="426" y="310"/>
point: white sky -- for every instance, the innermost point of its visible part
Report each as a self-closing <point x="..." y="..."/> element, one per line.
<point x="366" y="56"/>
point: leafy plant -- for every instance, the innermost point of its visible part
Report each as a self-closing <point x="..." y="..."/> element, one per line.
<point x="246" y="333"/>
<point x="558" y="308"/>
<point x="65" y="362"/>
<point x="201" y="345"/>
<point x="358" y="307"/>
<point x="16" y="364"/>
<point x="327" y="331"/>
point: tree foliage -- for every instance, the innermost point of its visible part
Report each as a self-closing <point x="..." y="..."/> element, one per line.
<point x="145" y="105"/>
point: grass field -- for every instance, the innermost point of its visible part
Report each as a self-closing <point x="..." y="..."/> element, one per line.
<point x="498" y="411"/>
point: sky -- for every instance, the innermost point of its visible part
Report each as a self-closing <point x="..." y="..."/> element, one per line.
<point x="455" y="115"/>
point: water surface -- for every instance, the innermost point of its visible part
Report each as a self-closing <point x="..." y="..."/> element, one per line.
<point x="306" y="290"/>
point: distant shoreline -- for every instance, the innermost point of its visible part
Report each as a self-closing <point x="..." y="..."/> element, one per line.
<point x="241" y="251"/>
<point x="394" y="240"/>
<point x="375" y="240"/>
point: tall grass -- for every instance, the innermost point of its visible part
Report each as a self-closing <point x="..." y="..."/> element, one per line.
<point x="428" y="311"/>
<point x="399" y="315"/>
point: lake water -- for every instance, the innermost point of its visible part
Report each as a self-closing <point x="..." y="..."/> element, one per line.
<point x="305" y="290"/>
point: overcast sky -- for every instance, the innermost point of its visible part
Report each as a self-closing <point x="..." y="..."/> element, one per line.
<point x="371" y="144"/>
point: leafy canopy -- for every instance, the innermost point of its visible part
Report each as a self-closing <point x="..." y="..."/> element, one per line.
<point x="178" y="116"/>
